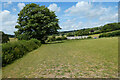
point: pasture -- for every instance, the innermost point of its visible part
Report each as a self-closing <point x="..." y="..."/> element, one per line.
<point x="90" y="58"/>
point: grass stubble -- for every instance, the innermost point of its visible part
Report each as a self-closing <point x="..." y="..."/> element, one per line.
<point x="90" y="58"/>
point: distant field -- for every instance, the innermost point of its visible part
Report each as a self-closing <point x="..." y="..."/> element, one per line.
<point x="94" y="35"/>
<point x="13" y="39"/>
<point x="90" y="58"/>
<point x="97" y="35"/>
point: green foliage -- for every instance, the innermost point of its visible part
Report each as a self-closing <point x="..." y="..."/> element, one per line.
<point x="58" y="38"/>
<point x="14" y="50"/>
<point x="53" y="38"/>
<point x="64" y="38"/>
<point x="82" y="32"/>
<point x="61" y="38"/>
<point x="110" y="27"/>
<point x="116" y="33"/>
<point x="89" y="37"/>
<point x="71" y="34"/>
<point x="37" y="22"/>
<point x="5" y="37"/>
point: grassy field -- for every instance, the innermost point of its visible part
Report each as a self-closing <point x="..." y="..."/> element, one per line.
<point x="90" y="58"/>
<point x="94" y="35"/>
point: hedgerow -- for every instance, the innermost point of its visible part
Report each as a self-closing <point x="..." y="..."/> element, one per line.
<point x="53" y="38"/>
<point x="14" y="50"/>
<point x="116" y="33"/>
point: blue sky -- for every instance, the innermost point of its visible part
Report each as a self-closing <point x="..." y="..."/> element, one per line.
<point x="72" y="15"/>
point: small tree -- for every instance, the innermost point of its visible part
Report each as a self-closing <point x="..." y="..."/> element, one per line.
<point x="4" y="37"/>
<point x="36" y="21"/>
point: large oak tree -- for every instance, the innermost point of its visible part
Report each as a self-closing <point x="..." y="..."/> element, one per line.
<point x="36" y="21"/>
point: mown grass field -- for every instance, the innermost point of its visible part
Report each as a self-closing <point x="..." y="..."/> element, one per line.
<point x="90" y="58"/>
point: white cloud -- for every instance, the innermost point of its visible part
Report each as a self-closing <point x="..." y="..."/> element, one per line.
<point x="8" y="22"/>
<point x="79" y="7"/>
<point x="71" y="25"/>
<point x="54" y="7"/>
<point x="4" y="15"/>
<point x="110" y="17"/>
<point x="8" y="3"/>
<point x="21" y="5"/>
<point x="88" y="15"/>
<point x="87" y="10"/>
<point x="74" y="25"/>
<point x="14" y="9"/>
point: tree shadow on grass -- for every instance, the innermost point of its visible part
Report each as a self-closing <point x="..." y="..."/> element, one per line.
<point x="54" y="42"/>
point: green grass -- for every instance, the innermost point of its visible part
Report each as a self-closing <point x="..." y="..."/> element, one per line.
<point x="95" y="35"/>
<point x="90" y="58"/>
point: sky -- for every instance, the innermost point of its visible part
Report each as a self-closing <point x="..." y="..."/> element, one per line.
<point x="71" y="15"/>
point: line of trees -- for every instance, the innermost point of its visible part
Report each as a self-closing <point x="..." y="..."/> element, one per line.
<point x="116" y="33"/>
<point x="96" y="30"/>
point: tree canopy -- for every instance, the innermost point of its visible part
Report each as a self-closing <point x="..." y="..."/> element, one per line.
<point x="36" y="21"/>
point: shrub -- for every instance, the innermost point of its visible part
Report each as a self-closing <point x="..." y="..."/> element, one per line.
<point x="53" y="38"/>
<point x="58" y="38"/>
<point x="96" y="32"/>
<point x="63" y="38"/>
<point x="70" y="34"/>
<point x="89" y="37"/>
<point x="14" y="50"/>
